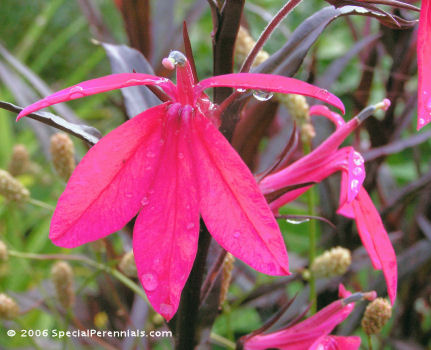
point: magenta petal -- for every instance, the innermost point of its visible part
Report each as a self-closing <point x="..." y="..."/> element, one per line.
<point x="424" y="67"/>
<point x="267" y="82"/>
<point x="106" y="188"/>
<point x="167" y="229"/>
<point x="324" y="111"/>
<point x="332" y="342"/>
<point x="95" y="86"/>
<point x="356" y="174"/>
<point x="233" y="208"/>
<point x="370" y="227"/>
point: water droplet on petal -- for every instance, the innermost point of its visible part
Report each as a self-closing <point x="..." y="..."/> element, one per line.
<point x="357" y="171"/>
<point x="297" y="221"/>
<point x="129" y="195"/>
<point x="421" y="121"/>
<point x="145" y="201"/>
<point x="181" y="155"/>
<point x="161" y="142"/>
<point x="324" y="94"/>
<point x="151" y="191"/>
<point x="151" y="154"/>
<point x="76" y="92"/>
<point x="354" y="184"/>
<point x="241" y="90"/>
<point x="166" y="309"/>
<point x="190" y="225"/>
<point x="358" y="159"/>
<point x="237" y="234"/>
<point x="188" y="206"/>
<point x="428" y="104"/>
<point x="148" y="168"/>
<point x="149" y="281"/>
<point x="262" y="95"/>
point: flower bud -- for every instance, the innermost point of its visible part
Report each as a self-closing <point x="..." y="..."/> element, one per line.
<point x="62" y="278"/>
<point x="63" y="155"/>
<point x="333" y="262"/>
<point x="244" y="44"/>
<point x="128" y="265"/>
<point x="9" y="309"/>
<point x="226" y="278"/>
<point x="101" y="319"/>
<point x="377" y="313"/>
<point x="12" y="189"/>
<point x="20" y="161"/>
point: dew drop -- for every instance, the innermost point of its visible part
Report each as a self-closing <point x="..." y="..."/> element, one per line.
<point x="297" y="221"/>
<point x="262" y="95"/>
<point x="324" y="94"/>
<point x="188" y="207"/>
<point x="357" y="171"/>
<point x="190" y="225"/>
<point x="129" y="195"/>
<point x="148" y="168"/>
<point x="133" y="81"/>
<point x="241" y="90"/>
<point x="145" y="201"/>
<point x="354" y="184"/>
<point x="76" y="92"/>
<point x="428" y="104"/>
<point x="421" y="121"/>
<point x="181" y="155"/>
<point x="151" y="154"/>
<point x="166" y="309"/>
<point x="162" y="142"/>
<point x="358" y="159"/>
<point x="237" y="234"/>
<point x="151" y="191"/>
<point x="149" y="281"/>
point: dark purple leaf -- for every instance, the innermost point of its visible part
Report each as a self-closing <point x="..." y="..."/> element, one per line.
<point x="125" y="59"/>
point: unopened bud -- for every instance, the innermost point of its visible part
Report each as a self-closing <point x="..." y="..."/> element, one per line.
<point x="226" y="278"/>
<point x="333" y="262"/>
<point x="244" y="44"/>
<point x="12" y="189"/>
<point x="9" y="309"/>
<point x="63" y="155"/>
<point x="20" y="161"/>
<point x="377" y="313"/>
<point x="101" y="319"/>
<point x="63" y="280"/>
<point x="128" y="265"/>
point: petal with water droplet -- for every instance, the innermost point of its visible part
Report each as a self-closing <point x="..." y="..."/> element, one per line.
<point x="165" y="238"/>
<point x="107" y="186"/>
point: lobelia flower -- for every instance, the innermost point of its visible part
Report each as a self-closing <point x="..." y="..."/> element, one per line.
<point x="424" y="67"/>
<point x="169" y="165"/>
<point x="354" y="203"/>
<point x="313" y="333"/>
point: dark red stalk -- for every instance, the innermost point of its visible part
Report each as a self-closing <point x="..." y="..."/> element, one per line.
<point x="267" y="33"/>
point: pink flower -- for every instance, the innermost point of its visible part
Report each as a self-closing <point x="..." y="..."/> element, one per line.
<point x="169" y="165"/>
<point x="424" y="67"/>
<point x="313" y="333"/>
<point x="355" y="202"/>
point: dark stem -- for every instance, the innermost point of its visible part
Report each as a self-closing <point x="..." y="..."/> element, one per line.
<point x="267" y="33"/>
<point x="187" y="315"/>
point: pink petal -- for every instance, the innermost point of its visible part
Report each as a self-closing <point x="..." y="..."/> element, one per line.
<point x="233" y="208"/>
<point x="356" y="174"/>
<point x="332" y="342"/>
<point x="167" y="229"/>
<point x="320" y="110"/>
<point x="370" y="225"/>
<point x="95" y="86"/>
<point x="424" y="67"/>
<point x="105" y="190"/>
<point x="267" y="82"/>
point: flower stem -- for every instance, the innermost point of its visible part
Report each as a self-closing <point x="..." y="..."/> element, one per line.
<point x="370" y="343"/>
<point x="267" y="33"/>
<point x="311" y="203"/>
<point x="41" y="204"/>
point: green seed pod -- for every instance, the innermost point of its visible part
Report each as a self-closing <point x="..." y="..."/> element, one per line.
<point x="377" y="313"/>
<point x="333" y="262"/>
<point x="63" y="155"/>
<point x="63" y="280"/>
<point x="9" y="309"/>
<point x="12" y="189"/>
<point x="128" y="265"/>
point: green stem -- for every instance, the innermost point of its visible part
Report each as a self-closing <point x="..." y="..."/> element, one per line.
<point x="223" y="341"/>
<point x="41" y="204"/>
<point x="113" y="272"/>
<point x="370" y="343"/>
<point x="311" y="204"/>
<point x="32" y="341"/>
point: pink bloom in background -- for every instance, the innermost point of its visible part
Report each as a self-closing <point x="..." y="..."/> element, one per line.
<point x="313" y="333"/>
<point x="169" y="165"/>
<point x="424" y="65"/>
<point x="355" y="202"/>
